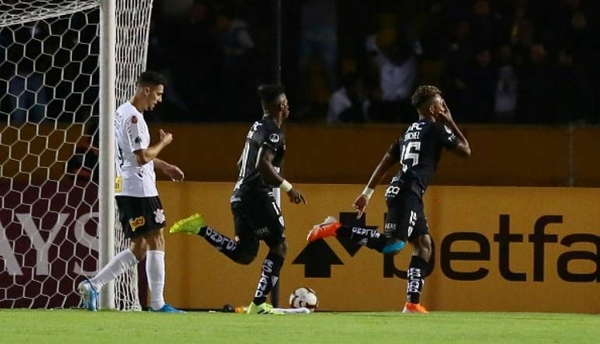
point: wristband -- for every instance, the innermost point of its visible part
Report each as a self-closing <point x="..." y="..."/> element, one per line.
<point x="285" y="186"/>
<point x="368" y="192"/>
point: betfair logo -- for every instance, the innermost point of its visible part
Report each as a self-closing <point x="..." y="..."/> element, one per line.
<point x="137" y="222"/>
<point x="577" y="260"/>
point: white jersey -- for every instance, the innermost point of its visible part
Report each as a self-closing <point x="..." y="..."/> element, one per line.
<point x="131" y="134"/>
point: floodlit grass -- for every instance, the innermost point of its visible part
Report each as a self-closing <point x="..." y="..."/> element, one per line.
<point x="79" y="326"/>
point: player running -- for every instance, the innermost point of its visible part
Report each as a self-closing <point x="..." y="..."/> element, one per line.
<point x="418" y="150"/>
<point x="256" y="215"/>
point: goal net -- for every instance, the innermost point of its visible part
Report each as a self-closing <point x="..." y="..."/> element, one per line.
<point x="49" y="74"/>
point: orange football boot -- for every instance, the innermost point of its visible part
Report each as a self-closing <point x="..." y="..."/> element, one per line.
<point x="324" y="229"/>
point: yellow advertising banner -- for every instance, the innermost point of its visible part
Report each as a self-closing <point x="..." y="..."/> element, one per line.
<point x="496" y="249"/>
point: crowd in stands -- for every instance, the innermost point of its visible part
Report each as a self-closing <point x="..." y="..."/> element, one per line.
<point x="497" y="61"/>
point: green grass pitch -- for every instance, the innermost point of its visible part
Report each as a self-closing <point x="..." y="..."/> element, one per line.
<point x="79" y="326"/>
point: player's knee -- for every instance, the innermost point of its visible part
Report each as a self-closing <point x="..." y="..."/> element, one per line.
<point x="392" y="248"/>
<point x="279" y="249"/>
<point x="138" y="248"/>
<point x="423" y="247"/>
<point x="245" y="258"/>
<point x="139" y="254"/>
<point x="425" y="254"/>
<point x="155" y="240"/>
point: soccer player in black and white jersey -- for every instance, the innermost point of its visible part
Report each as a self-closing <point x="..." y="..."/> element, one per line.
<point x="256" y="215"/>
<point x="418" y="151"/>
<point x="140" y="211"/>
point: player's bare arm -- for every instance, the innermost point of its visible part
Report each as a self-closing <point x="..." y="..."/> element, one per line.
<point x="144" y="156"/>
<point x="360" y="204"/>
<point x="171" y="171"/>
<point x="270" y="175"/>
<point x="463" y="149"/>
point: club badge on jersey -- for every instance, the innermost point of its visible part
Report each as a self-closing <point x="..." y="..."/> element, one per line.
<point x="159" y="216"/>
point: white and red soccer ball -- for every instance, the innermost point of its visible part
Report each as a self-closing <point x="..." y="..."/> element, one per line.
<point x="304" y="297"/>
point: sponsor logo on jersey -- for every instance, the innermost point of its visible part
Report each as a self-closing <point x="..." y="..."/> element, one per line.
<point x="274" y="138"/>
<point x="261" y="231"/>
<point x="134" y="119"/>
<point x="137" y="222"/>
<point x="159" y="216"/>
<point x="448" y="130"/>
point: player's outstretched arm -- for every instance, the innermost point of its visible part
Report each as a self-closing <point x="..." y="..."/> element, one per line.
<point x="267" y="171"/>
<point x="360" y="204"/>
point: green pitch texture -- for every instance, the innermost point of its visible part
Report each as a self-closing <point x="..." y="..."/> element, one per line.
<point x="78" y="326"/>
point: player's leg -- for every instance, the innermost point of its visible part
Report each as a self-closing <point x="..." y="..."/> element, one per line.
<point x="267" y="225"/>
<point x="128" y="213"/>
<point x="155" y="270"/>
<point x="270" y="271"/>
<point x="242" y="249"/>
<point x="151" y="233"/>
<point x="368" y="237"/>
<point x="418" y="235"/>
<point x="416" y="273"/>
<point x="390" y="242"/>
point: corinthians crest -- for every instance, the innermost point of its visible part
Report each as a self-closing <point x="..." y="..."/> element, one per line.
<point x="159" y="216"/>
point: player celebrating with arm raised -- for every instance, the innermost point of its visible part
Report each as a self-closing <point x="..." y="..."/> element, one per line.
<point x="418" y="150"/>
<point x="140" y="211"/>
<point x="256" y="215"/>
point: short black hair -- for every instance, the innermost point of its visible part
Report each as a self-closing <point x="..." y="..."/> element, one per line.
<point x="270" y="93"/>
<point x="424" y="94"/>
<point x="151" y="78"/>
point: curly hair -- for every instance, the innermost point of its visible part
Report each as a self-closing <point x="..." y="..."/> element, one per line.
<point x="423" y="94"/>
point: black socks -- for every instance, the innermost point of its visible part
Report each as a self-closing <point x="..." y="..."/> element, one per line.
<point x="268" y="277"/>
<point x="371" y="238"/>
<point x="224" y="244"/>
<point x="416" y="279"/>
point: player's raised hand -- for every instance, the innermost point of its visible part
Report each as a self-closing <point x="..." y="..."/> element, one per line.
<point x="174" y="172"/>
<point x="360" y="204"/>
<point x="166" y="137"/>
<point x="446" y="114"/>
<point x="296" y="196"/>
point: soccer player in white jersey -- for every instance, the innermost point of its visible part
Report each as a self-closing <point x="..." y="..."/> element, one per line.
<point x="140" y="210"/>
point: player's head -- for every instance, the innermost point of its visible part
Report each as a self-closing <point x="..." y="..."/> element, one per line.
<point x="150" y="89"/>
<point x="428" y="101"/>
<point x="273" y="100"/>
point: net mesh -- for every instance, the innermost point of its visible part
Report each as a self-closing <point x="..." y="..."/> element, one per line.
<point x="49" y="69"/>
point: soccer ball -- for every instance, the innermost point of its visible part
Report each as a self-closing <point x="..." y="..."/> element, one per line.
<point x="304" y="297"/>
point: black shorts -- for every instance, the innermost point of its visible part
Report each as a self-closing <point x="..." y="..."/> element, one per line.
<point x="256" y="218"/>
<point x="140" y="215"/>
<point x="405" y="218"/>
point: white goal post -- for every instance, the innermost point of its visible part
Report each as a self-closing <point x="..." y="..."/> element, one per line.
<point x="64" y="67"/>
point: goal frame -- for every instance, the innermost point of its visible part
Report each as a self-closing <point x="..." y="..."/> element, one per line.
<point x="107" y="106"/>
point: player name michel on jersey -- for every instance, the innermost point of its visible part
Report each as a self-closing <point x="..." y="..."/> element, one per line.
<point x="419" y="150"/>
<point x="131" y="134"/>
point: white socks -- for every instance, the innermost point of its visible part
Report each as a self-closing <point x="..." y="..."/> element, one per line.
<point x="155" y="271"/>
<point x="121" y="262"/>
